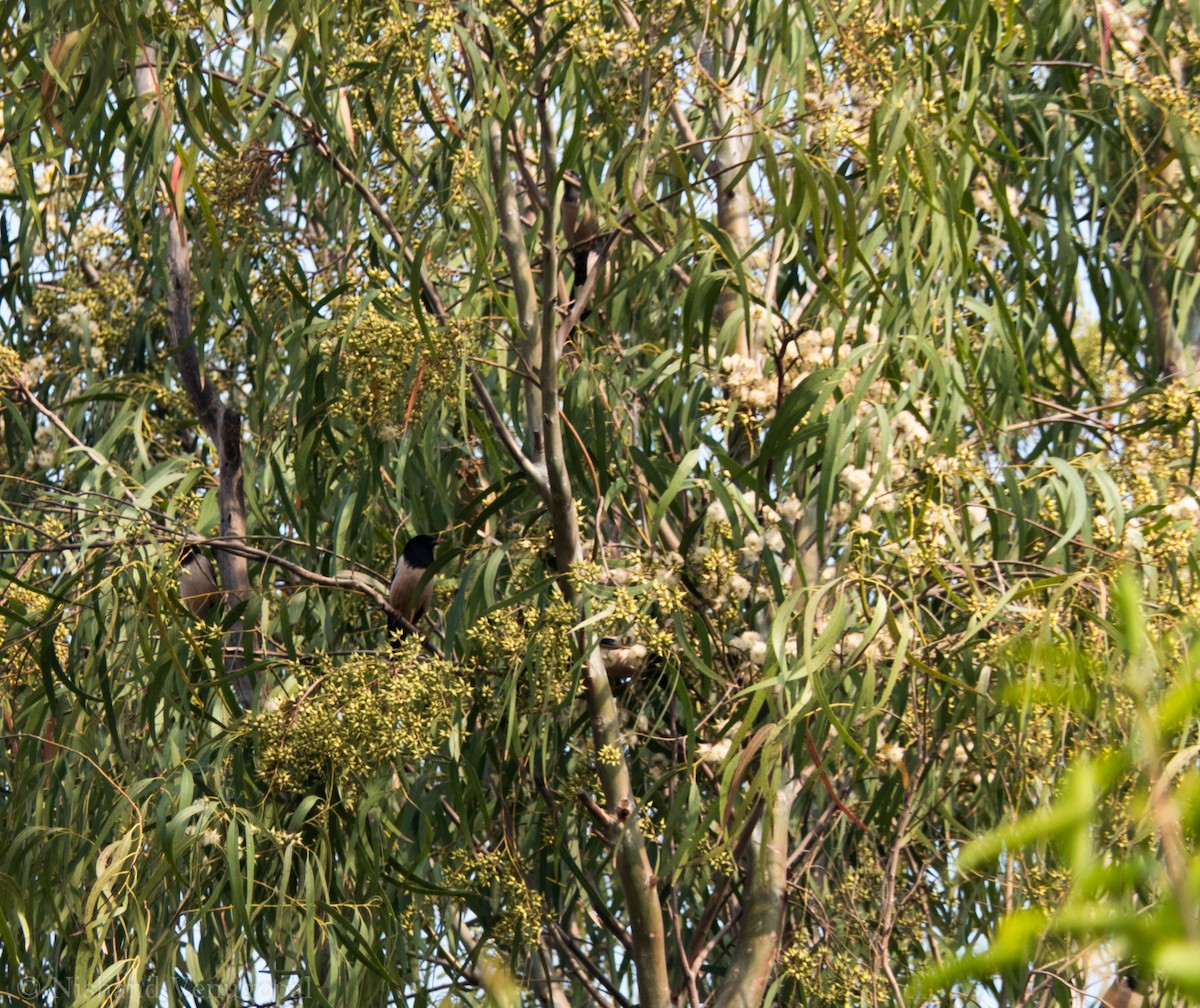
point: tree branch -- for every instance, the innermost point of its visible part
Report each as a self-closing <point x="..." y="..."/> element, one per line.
<point x="200" y="392"/>
<point x="535" y="473"/>
<point x="567" y="944"/>
<point x="638" y="882"/>
<point x="753" y="958"/>
<point x="223" y="426"/>
<point x="235" y="572"/>
<point x="69" y="434"/>
<point x="512" y="239"/>
<point x="733" y="182"/>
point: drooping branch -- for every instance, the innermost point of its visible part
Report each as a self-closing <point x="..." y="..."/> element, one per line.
<point x="536" y="474"/>
<point x="61" y="425"/>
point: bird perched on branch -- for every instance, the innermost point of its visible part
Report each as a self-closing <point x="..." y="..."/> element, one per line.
<point x="406" y="594"/>
<point x="197" y="581"/>
<point x="581" y="232"/>
<point x="1122" y="993"/>
<point x="623" y="661"/>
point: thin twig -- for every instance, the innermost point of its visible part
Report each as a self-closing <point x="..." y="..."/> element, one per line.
<point x="566" y="943"/>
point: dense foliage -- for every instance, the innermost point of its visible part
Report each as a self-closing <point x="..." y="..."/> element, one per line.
<point x="805" y="395"/>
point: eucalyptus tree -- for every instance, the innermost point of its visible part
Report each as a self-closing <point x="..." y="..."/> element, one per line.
<point x="804" y="395"/>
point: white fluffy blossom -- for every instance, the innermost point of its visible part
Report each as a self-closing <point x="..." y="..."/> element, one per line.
<point x="744" y="380"/>
<point x="42" y="455"/>
<point x="714" y="753"/>
<point x="746" y="641"/>
<point x="1185" y="508"/>
<point x="75" y="320"/>
<point x="773" y="540"/>
<point x="752" y="545"/>
<point x="739" y="587"/>
<point x="856" y="480"/>
<point x="908" y="428"/>
<point x="981" y="196"/>
<point x="791" y="508"/>
<point x="35" y="369"/>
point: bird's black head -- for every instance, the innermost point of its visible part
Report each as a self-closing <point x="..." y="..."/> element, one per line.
<point x="418" y="551"/>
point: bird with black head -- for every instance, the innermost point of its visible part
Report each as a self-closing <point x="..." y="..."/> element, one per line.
<point x="197" y="581"/>
<point x="407" y="595"/>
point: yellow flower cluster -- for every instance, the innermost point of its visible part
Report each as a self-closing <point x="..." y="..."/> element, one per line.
<point x="1145" y="86"/>
<point x="20" y="647"/>
<point x="718" y="855"/>
<point x="95" y="319"/>
<point x="12" y="369"/>
<point x="465" y="170"/>
<point x="357" y="717"/>
<point x="509" y="635"/>
<point x="608" y="755"/>
<point x="641" y="594"/>
<point x="405" y="45"/>
<point x="522" y="910"/>
<point x="625" y="57"/>
<point x="502" y="634"/>
<point x="830" y="975"/>
<point x="397" y="369"/>
<point x="825" y="961"/>
<point x="649" y="826"/>
<point x="235" y="184"/>
<point x="725" y="565"/>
